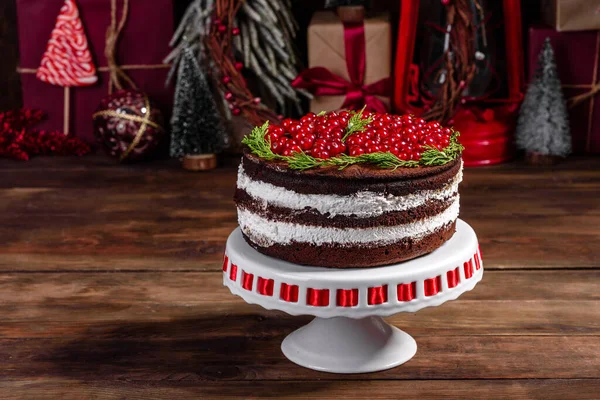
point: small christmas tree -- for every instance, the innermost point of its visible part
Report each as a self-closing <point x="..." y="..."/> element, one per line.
<point x="197" y="132"/>
<point x="543" y="126"/>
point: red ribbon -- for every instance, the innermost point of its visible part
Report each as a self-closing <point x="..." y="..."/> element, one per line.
<point x="477" y="263"/>
<point x="407" y="291"/>
<point x="233" y="272"/>
<point x="247" y="280"/>
<point x="317" y="297"/>
<point x="322" y="82"/>
<point x="347" y="297"/>
<point x="225" y="262"/>
<point x="468" y="266"/>
<point x="453" y="278"/>
<point x="377" y="295"/>
<point x="265" y="286"/>
<point x="433" y="286"/>
<point x="289" y="293"/>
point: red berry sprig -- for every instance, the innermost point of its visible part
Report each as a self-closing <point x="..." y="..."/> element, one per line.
<point x="344" y="138"/>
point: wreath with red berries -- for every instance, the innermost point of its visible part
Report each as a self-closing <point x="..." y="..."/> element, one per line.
<point x="219" y="45"/>
<point x="354" y="137"/>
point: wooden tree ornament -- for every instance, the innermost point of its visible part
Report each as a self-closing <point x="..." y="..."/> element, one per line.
<point x="67" y="61"/>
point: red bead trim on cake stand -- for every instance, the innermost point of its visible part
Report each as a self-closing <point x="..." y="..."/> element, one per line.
<point x="353" y="299"/>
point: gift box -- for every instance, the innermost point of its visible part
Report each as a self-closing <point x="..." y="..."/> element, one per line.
<point x="142" y="45"/>
<point x="329" y="41"/>
<point x="578" y="63"/>
<point x="571" y="15"/>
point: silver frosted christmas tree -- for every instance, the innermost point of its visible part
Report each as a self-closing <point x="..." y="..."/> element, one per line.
<point x="543" y="126"/>
<point x="196" y="126"/>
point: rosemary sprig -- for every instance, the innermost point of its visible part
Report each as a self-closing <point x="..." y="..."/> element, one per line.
<point x="259" y="143"/>
<point x="432" y="156"/>
<point x="356" y="123"/>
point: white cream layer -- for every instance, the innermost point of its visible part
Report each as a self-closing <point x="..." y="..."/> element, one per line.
<point x="266" y="232"/>
<point x="362" y="204"/>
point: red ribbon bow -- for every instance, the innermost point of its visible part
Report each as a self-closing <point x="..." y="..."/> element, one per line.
<point x="322" y="82"/>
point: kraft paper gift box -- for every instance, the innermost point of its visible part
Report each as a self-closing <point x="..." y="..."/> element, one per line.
<point x="326" y="49"/>
<point x="571" y="15"/>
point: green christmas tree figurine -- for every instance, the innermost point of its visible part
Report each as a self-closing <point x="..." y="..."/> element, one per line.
<point x="196" y="129"/>
<point x="543" y="126"/>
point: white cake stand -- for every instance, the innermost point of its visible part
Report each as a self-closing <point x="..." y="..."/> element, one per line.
<point x="349" y="334"/>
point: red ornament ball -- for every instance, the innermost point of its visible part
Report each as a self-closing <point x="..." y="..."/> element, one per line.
<point x="239" y="65"/>
<point x="446" y="2"/>
<point x="222" y="28"/>
<point x="129" y="126"/>
<point x="226" y="79"/>
<point x="235" y="31"/>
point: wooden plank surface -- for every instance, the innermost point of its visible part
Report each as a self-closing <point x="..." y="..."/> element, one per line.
<point x="110" y="288"/>
<point x="547" y="389"/>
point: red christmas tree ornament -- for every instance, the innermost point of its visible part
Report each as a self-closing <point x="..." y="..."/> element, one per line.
<point x="67" y="61"/>
<point x="129" y="126"/>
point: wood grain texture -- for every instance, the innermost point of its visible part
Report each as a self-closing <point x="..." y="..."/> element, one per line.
<point x="110" y="288"/>
<point x="544" y="389"/>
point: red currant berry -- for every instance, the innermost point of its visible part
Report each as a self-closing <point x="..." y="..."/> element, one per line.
<point x="434" y="125"/>
<point x="287" y="124"/>
<point x="356" y="151"/>
<point x="412" y="138"/>
<point x="307" y="141"/>
<point x="337" y="133"/>
<point x="277" y="147"/>
<point x="310" y="117"/>
<point x="324" y="154"/>
<point x="336" y="148"/>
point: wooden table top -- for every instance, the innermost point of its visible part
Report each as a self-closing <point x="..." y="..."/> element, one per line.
<point x="110" y="287"/>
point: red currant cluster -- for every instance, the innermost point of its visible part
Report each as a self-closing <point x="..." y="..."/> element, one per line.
<point x="321" y="136"/>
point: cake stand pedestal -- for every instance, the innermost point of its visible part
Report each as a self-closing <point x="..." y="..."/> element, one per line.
<point x="349" y="334"/>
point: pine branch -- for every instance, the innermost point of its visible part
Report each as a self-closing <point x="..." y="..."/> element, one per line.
<point x="432" y="156"/>
<point x="356" y="123"/>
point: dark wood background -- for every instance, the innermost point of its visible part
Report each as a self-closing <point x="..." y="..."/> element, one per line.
<point x="10" y="91"/>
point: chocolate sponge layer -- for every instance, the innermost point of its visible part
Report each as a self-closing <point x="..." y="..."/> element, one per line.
<point x="337" y="256"/>
<point x="312" y="217"/>
<point x="353" y="179"/>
